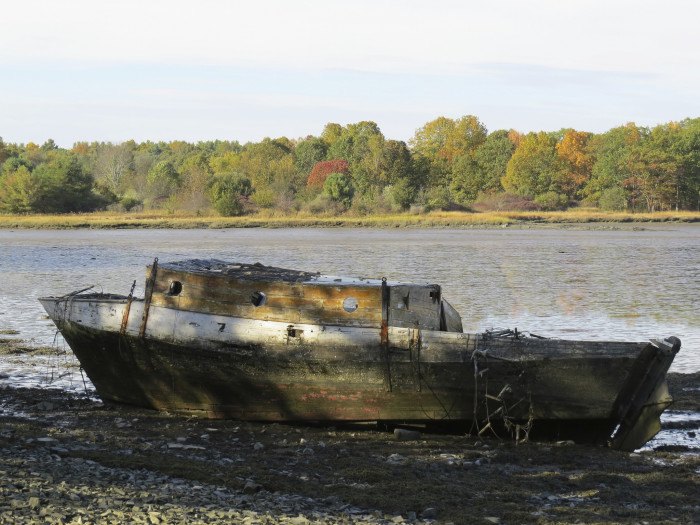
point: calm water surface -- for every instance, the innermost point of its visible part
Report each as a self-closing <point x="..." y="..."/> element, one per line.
<point x="576" y="284"/>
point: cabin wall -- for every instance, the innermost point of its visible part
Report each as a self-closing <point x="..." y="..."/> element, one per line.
<point x="283" y="301"/>
<point x="324" y="303"/>
<point x="415" y="306"/>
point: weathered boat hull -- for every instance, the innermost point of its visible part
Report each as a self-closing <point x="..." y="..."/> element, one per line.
<point x="224" y="366"/>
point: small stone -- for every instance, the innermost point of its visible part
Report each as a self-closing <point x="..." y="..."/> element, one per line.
<point x="396" y="459"/>
<point x="46" y="440"/>
<point x="258" y="446"/>
<point x="299" y="520"/>
<point x="411" y="516"/>
<point x="430" y="513"/>
<point x="251" y="487"/>
<point x="302" y="441"/>
<point x="402" y="434"/>
<point x="34" y="502"/>
<point x="492" y="519"/>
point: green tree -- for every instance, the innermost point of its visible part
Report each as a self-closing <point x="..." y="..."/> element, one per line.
<point x="492" y="156"/>
<point x="307" y="153"/>
<point x="112" y="165"/>
<point x="18" y="191"/>
<point x="162" y="180"/>
<point x="269" y="165"/>
<point x="331" y="133"/>
<point x="441" y="141"/>
<point x="656" y="174"/>
<point x="468" y="180"/>
<point x="195" y="176"/>
<point x="12" y="164"/>
<point x="361" y="144"/>
<point x="612" y="160"/>
<point x="339" y="187"/>
<point x="613" y="199"/>
<point x="534" y="168"/>
<point x="4" y="153"/>
<point x="63" y="186"/>
<point x="228" y="193"/>
<point x="403" y="193"/>
<point x="399" y="173"/>
<point x="481" y="171"/>
<point x="687" y="150"/>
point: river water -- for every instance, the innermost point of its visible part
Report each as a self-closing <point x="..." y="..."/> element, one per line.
<point x="626" y="284"/>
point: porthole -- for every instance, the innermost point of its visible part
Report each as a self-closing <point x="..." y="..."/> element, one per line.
<point x="258" y="299"/>
<point x="175" y="288"/>
<point x="350" y="304"/>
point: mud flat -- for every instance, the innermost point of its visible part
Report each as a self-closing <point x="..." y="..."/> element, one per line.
<point x="69" y="458"/>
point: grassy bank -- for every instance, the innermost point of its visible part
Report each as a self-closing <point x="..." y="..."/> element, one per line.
<point x="152" y="219"/>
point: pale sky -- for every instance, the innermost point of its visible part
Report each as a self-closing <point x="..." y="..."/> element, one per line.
<point x="211" y="69"/>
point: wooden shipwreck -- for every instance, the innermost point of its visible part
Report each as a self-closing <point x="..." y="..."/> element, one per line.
<point x="254" y="342"/>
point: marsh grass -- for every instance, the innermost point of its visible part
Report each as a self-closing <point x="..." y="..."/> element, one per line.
<point x="110" y="220"/>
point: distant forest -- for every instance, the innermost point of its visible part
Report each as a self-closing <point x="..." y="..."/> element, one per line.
<point x="355" y="169"/>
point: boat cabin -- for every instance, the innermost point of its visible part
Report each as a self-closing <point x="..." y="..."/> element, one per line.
<point x="255" y="291"/>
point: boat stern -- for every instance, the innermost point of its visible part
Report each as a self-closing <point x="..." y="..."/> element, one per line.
<point x="645" y="396"/>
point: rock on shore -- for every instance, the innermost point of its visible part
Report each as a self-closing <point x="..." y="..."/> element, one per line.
<point x="71" y="459"/>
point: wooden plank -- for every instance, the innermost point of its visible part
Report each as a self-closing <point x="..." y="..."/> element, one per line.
<point x="215" y="286"/>
<point x="307" y="313"/>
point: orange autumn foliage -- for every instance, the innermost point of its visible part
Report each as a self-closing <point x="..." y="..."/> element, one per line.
<point x="321" y="170"/>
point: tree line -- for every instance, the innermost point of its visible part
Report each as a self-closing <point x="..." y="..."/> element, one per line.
<point x="448" y="164"/>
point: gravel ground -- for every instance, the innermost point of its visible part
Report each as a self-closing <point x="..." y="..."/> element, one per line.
<point x="67" y="458"/>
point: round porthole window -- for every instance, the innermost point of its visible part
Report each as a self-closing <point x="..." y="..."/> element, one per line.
<point x="175" y="288"/>
<point x="258" y="299"/>
<point x="350" y="304"/>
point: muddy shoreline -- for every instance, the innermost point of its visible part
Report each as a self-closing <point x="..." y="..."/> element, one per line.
<point x="69" y="458"/>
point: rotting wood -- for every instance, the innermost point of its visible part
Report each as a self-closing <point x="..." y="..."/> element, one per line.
<point x="127" y="309"/>
<point x="384" y="335"/>
<point x="148" y="296"/>
<point x="223" y="343"/>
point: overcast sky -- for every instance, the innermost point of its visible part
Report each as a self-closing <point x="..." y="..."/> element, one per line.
<point x="213" y="69"/>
